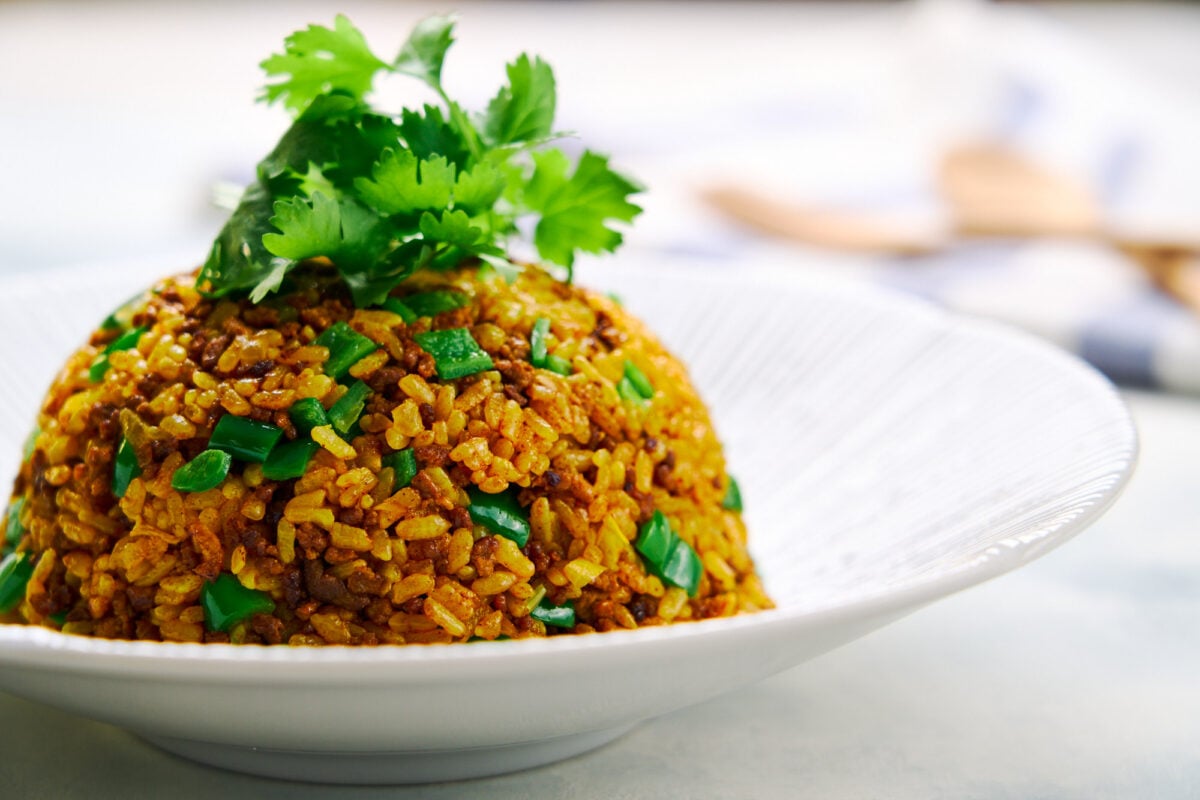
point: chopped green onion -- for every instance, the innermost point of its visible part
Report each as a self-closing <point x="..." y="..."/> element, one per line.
<point x="733" y="496"/>
<point x="558" y="365"/>
<point x="682" y="567"/>
<point x="289" y="460"/>
<point x="122" y="315"/>
<point x="537" y="341"/>
<point x="226" y="602"/>
<point x="31" y="443"/>
<point x="537" y="350"/>
<point x="125" y="341"/>
<point x="500" y="513"/>
<point x="616" y="298"/>
<point x="125" y="468"/>
<point x="668" y="556"/>
<point x="308" y="413"/>
<point x="455" y="353"/>
<point x="397" y="307"/>
<point x="204" y="472"/>
<point x="439" y="301"/>
<point x="59" y="618"/>
<point x="346" y="348"/>
<point x="639" y="380"/>
<point x="628" y="392"/>
<point x="559" y="616"/>
<point x="404" y="464"/>
<point x="244" y="438"/>
<point x="15" y="571"/>
<point x="654" y="540"/>
<point x="13" y="530"/>
<point x="98" y="369"/>
<point x="349" y="407"/>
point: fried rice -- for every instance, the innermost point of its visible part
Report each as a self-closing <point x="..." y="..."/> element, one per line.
<point x="352" y="552"/>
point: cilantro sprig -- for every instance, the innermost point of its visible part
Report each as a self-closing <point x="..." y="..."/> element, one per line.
<point x="381" y="196"/>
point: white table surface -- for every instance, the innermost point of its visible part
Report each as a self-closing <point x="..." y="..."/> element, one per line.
<point x="1075" y="677"/>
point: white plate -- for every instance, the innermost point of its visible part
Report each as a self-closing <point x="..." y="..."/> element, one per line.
<point x="889" y="455"/>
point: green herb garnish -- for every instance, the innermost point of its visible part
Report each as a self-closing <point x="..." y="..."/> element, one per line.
<point x="404" y="465"/>
<point x="243" y="438"/>
<point x="667" y="556"/>
<point x="204" y="472"/>
<point x="346" y="347"/>
<point x="537" y="350"/>
<point x="289" y="459"/>
<point x="732" y="500"/>
<point x="349" y="407"/>
<point x="125" y="468"/>
<point x="15" y="572"/>
<point x="549" y="614"/>
<point x="455" y="352"/>
<point x="383" y="195"/>
<point x="226" y="602"/>
<point x="500" y="513"/>
<point x="308" y="413"/>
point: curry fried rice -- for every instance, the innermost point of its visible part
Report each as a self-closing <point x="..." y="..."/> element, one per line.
<point x="478" y="459"/>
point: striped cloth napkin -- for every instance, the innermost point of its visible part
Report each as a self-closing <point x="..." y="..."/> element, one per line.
<point x="860" y="163"/>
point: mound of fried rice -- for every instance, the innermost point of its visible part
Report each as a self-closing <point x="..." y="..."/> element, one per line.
<point x="345" y="555"/>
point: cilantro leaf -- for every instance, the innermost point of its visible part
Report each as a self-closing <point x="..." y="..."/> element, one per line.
<point x="430" y="134"/>
<point x="342" y="230"/>
<point x="425" y="51"/>
<point x="400" y="184"/>
<point x="382" y="195"/>
<point x="319" y="60"/>
<point x="238" y="259"/>
<point x="478" y="190"/>
<point x="307" y="228"/>
<point x="453" y="228"/>
<point x="574" y="209"/>
<point x="522" y="111"/>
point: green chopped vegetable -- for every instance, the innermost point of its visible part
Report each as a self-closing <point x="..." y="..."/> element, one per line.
<point x="308" y="413"/>
<point x="349" y="407"/>
<point x="13" y="530"/>
<point x="346" y="348"/>
<point x="15" y="571"/>
<point x="537" y="341"/>
<point x="125" y="341"/>
<point x="500" y="513"/>
<point x="226" y="602"/>
<point x="382" y="195"/>
<point x="559" y="616"/>
<point x="244" y="438"/>
<point x="404" y="464"/>
<point x="289" y="459"/>
<point x="30" y="443"/>
<point x="537" y="350"/>
<point x="682" y="567"/>
<point x="122" y="316"/>
<point x="668" y="556"/>
<point x="125" y="468"/>
<point x="654" y="540"/>
<point x="733" y="496"/>
<point x="638" y="380"/>
<point x="455" y="353"/>
<point x="204" y="472"/>
<point x="558" y="365"/>
<point x="628" y="392"/>
<point x="59" y="618"/>
<point x="398" y="307"/>
<point x="430" y="304"/>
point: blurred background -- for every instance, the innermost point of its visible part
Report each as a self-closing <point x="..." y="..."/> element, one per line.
<point x="1035" y="163"/>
